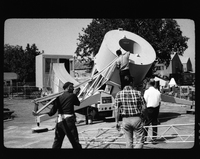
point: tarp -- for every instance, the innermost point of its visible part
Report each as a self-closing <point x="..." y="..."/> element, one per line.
<point x="162" y="82"/>
<point x="172" y="82"/>
<point x="172" y="99"/>
<point x="60" y="76"/>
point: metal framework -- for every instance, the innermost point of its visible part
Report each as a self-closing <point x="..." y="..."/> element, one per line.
<point x="105" y="137"/>
<point x="90" y="87"/>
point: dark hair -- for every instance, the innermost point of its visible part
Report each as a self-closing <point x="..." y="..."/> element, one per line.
<point x="152" y="82"/>
<point x="128" y="80"/>
<point x="67" y="85"/>
<point x="118" y="52"/>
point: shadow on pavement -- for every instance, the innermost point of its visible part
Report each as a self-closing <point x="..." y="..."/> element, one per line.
<point x="165" y="116"/>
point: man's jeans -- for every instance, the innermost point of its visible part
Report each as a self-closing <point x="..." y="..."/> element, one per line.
<point x="134" y="132"/>
<point x="66" y="127"/>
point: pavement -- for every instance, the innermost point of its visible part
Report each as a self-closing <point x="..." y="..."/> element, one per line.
<point x="19" y="134"/>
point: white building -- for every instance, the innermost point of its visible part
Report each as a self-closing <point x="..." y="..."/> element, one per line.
<point x="175" y="66"/>
<point x="44" y="65"/>
<point x="187" y="65"/>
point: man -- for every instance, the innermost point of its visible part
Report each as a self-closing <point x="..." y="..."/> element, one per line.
<point x="130" y="104"/>
<point x="64" y="104"/>
<point x="152" y="97"/>
<point x="123" y="65"/>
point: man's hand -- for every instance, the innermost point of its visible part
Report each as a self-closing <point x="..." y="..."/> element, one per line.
<point x="77" y="91"/>
<point x="37" y="114"/>
<point x="34" y="113"/>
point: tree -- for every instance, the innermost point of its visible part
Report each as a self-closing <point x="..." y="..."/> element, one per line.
<point x="30" y="53"/>
<point x="164" y="35"/>
<point x="21" y="61"/>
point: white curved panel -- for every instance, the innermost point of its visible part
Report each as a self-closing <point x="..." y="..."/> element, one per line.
<point x="142" y="53"/>
<point x="60" y="76"/>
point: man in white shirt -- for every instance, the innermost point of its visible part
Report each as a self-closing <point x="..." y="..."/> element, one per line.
<point x="152" y="97"/>
<point x="123" y="65"/>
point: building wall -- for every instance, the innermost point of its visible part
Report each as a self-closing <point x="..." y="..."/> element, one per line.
<point x="164" y="71"/>
<point x="39" y="71"/>
<point x="185" y="67"/>
<point x="176" y="64"/>
<point x="189" y="65"/>
<point x="174" y="67"/>
<point x="168" y="69"/>
<point x="160" y="69"/>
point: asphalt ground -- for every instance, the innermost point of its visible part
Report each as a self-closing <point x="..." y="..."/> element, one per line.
<point x="18" y="132"/>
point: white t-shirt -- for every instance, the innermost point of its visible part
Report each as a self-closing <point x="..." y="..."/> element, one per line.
<point x="123" y="61"/>
<point x="152" y="97"/>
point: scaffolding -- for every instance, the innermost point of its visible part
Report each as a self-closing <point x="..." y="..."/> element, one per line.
<point x="112" y="138"/>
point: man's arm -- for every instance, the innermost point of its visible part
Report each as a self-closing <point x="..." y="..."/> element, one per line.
<point x="145" y="96"/>
<point x="117" y="63"/>
<point x="51" y="112"/>
<point x="117" y="115"/>
<point x="54" y="108"/>
<point x="128" y="53"/>
<point x="144" y="106"/>
<point x="77" y="91"/>
<point x="117" y="111"/>
<point x="76" y="100"/>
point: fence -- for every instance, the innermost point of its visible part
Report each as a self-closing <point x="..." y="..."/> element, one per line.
<point x="22" y="92"/>
<point x="183" y="92"/>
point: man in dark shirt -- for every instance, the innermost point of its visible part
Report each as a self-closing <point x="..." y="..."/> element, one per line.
<point x="64" y="104"/>
<point x="130" y="104"/>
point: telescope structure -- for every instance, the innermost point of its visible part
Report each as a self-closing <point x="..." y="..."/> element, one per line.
<point x="142" y="54"/>
<point x="99" y="90"/>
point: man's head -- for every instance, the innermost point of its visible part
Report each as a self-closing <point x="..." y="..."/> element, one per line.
<point x="69" y="87"/>
<point x="118" y="52"/>
<point x="128" y="81"/>
<point x="151" y="82"/>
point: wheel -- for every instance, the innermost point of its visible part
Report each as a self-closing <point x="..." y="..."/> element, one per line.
<point x="91" y="113"/>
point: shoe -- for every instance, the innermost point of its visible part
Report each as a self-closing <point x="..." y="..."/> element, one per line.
<point x="154" y="141"/>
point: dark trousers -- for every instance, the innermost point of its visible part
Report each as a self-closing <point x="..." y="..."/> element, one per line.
<point x="66" y="127"/>
<point x="123" y="75"/>
<point x="152" y="118"/>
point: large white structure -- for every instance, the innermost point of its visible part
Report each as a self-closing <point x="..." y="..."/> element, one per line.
<point x="142" y="53"/>
<point x="98" y="91"/>
<point x="59" y="76"/>
<point x="44" y="67"/>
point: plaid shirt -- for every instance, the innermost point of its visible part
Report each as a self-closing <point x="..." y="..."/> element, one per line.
<point x="129" y="101"/>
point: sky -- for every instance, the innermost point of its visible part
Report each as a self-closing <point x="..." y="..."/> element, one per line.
<point x="187" y="27"/>
<point x="59" y="36"/>
<point x="54" y="36"/>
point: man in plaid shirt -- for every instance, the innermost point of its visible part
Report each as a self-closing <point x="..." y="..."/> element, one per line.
<point x="130" y="104"/>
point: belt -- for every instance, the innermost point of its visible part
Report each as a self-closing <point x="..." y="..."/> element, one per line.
<point x="63" y="116"/>
<point x="134" y="115"/>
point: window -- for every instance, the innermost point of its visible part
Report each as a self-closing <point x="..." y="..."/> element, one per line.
<point x="48" y="62"/>
<point x="108" y="88"/>
<point x="66" y="63"/>
<point x="71" y="65"/>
